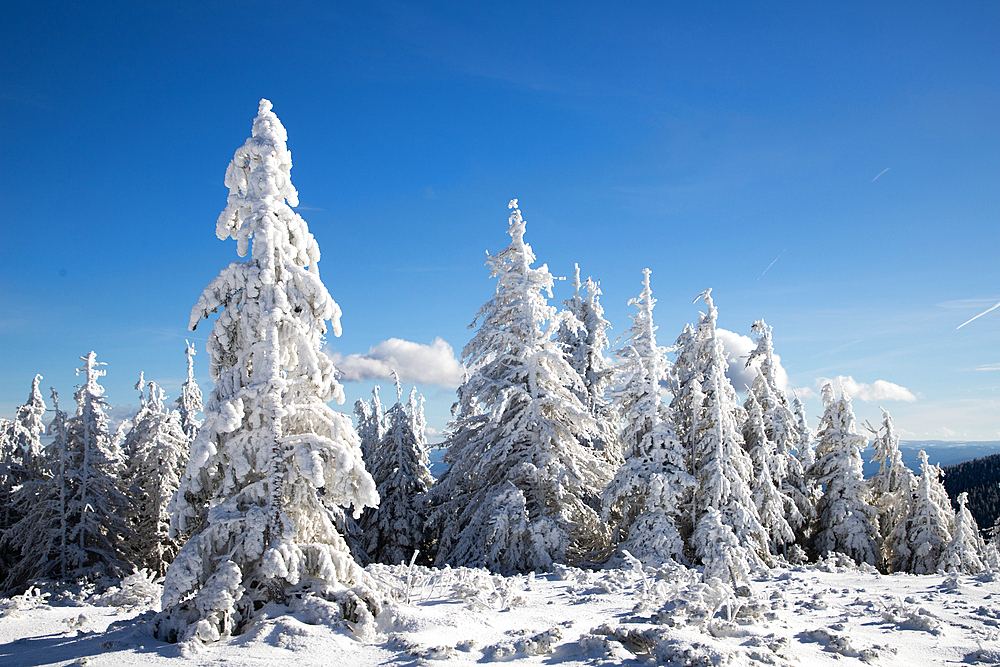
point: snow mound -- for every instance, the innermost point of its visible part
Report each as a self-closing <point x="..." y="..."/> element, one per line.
<point x="805" y="615"/>
<point x="30" y="599"/>
<point x="139" y="589"/>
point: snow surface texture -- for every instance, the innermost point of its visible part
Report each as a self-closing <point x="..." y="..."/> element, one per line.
<point x="823" y="614"/>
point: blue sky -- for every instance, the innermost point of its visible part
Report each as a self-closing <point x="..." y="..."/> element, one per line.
<point x="834" y="170"/>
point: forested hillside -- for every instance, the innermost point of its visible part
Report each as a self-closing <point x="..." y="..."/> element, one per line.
<point x="980" y="478"/>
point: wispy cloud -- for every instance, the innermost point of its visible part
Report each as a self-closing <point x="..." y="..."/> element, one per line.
<point x="962" y="304"/>
<point x="771" y="264"/>
<point x="836" y="349"/>
<point x="991" y="308"/>
<point x="880" y="173"/>
<point x="988" y="367"/>
<point x="415" y="363"/>
<point x="308" y="208"/>
<point x="880" y="390"/>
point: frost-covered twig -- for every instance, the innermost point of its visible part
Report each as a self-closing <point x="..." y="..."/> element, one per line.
<point x="409" y="575"/>
<point x="636" y="566"/>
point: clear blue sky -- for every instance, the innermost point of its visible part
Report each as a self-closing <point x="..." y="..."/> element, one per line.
<point x="831" y="167"/>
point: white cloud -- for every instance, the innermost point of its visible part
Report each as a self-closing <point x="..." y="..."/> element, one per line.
<point x="738" y="349"/>
<point x="803" y="393"/>
<point x="988" y="367"/>
<point x="415" y="363"/>
<point x="120" y="413"/>
<point x="963" y="304"/>
<point x="880" y="390"/>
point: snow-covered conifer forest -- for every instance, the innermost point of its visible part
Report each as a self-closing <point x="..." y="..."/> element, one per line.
<point x="603" y="502"/>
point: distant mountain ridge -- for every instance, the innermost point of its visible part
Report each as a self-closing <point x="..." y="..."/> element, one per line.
<point x="945" y="452"/>
<point x="968" y="466"/>
<point x="942" y="453"/>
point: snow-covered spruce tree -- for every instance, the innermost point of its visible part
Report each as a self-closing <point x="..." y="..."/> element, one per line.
<point x="189" y="403"/>
<point x="892" y="494"/>
<point x="773" y="507"/>
<point x="782" y="429"/>
<point x="7" y="477"/>
<point x="371" y="430"/>
<point x="271" y="458"/>
<point x="371" y="423"/>
<point x="846" y="522"/>
<point x="395" y="529"/>
<point x="991" y="552"/>
<point x="722" y="554"/>
<point x="102" y="532"/>
<point x="418" y="423"/>
<point x="9" y="480"/>
<point x="38" y="547"/>
<point x="78" y="523"/>
<point x="805" y="445"/>
<point x="364" y="414"/>
<point x="522" y="490"/>
<point x="156" y="449"/>
<point x="26" y="432"/>
<point x="930" y="521"/>
<point x="645" y="502"/>
<point x="21" y="459"/>
<point x="583" y="336"/>
<point x="964" y="554"/>
<point x="709" y="418"/>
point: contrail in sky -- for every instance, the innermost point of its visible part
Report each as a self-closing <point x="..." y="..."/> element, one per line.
<point x="772" y="264"/>
<point x="993" y="307"/>
<point x="880" y="173"/>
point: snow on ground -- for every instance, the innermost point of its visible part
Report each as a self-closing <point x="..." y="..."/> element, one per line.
<point x="812" y="615"/>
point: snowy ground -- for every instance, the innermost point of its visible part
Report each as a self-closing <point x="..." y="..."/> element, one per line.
<point x="815" y="615"/>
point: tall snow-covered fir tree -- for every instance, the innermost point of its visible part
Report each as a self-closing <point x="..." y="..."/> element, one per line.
<point x="271" y="459"/>
<point x="40" y="546"/>
<point x="774" y="507"/>
<point x="805" y="445"/>
<point x="965" y="552"/>
<point x="371" y="422"/>
<point x="418" y="422"/>
<point x="26" y="430"/>
<point x="372" y="429"/>
<point x="991" y="552"/>
<point x="583" y="336"/>
<point x="105" y="541"/>
<point x="156" y="449"/>
<point x="645" y="502"/>
<point x="930" y="521"/>
<point x="189" y="403"/>
<point x="8" y="478"/>
<point x="399" y="465"/>
<point x="709" y="419"/>
<point x="892" y="490"/>
<point x="779" y="450"/>
<point x="522" y="490"/>
<point x="21" y="456"/>
<point x="76" y="524"/>
<point x="846" y="522"/>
